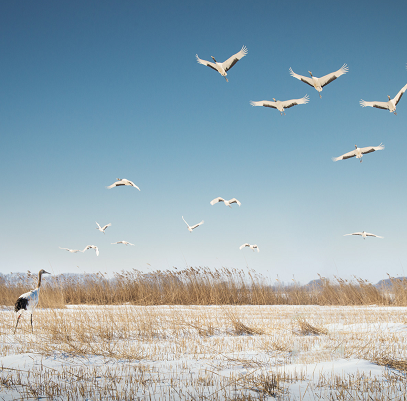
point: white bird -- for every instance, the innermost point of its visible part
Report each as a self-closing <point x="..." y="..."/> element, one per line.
<point x="359" y="152"/>
<point x="253" y="247"/>
<point x="102" y="229"/>
<point x="122" y="242"/>
<point x="390" y="105"/>
<point x="29" y="301"/>
<point x="123" y="181"/>
<point x="319" y="83"/>
<point x="92" y="247"/>
<point x="281" y="105"/>
<point x="227" y="202"/>
<point x="190" y="228"/>
<point x="364" y="235"/>
<point x="71" y="250"/>
<point x="226" y="65"/>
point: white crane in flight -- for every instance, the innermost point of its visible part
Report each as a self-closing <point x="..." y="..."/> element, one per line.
<point x="222" y="68"/>
<point x="71" y="250"/>
<point x="252" y="247"/>
<point x="122" y="242"/>
<point x="190" y="228"/>
<point x="102" y="229"/>
<point x="227" y="202"/>
<point x="121" y="182"/>
<point x="319" y="83"/>
<point x="364" y="234"/>
<point x="92" y="247"/>
<point x="389" y="105"/>
<point x="280" y="105"/>
<point x="359" y="152"/>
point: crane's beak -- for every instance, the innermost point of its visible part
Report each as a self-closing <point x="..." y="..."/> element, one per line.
<point x="44" y="272"/>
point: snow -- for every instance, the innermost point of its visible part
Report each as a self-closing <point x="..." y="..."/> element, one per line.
<point x="158" y="353"/>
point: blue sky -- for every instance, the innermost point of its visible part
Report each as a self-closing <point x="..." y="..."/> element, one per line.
<point x="98" y="90"/>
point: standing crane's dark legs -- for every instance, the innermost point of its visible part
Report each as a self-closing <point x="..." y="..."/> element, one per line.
<point x="17" y="323"/>
<point x="32" y="330"/>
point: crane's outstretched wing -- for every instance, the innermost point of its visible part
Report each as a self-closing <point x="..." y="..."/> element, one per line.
<point x="98" y="226"/>
<point x="133" y="184"/>
<point x="378" y="105"/>
<point x="370" y="149"/>
<point x="307" y="80"/>
<point x="256" y="247"/>
<point x="400" y="94"/>
<point x="207" y="63"/>
<point x="293" y="102"/>
<point x="265" y="103"/>
<point x="234" y="200"/>
<point x="345" y="156"/>
<point x="353" y="234"/>
<point x="244" y="245"/>
<point x="107" y="225"/>
<point x="216" y="200"/>
<point x="185" y="221"/>
<point x="373" y="235"/>
<point x="231" y="61"/>
<point x="115" y="184"/>
<point x="197" y="225"/>
<point x="326" y="79"/>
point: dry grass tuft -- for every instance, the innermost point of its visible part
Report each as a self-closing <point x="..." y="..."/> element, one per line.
<point x="392" y="363"/>
<point x="306" y="329"/>
<point x="241" y="329"/>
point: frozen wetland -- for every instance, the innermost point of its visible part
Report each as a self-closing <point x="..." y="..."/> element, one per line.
<point x="205" y="353"/>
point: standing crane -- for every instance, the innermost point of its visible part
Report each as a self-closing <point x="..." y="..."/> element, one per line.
<point x="29" y="301"/>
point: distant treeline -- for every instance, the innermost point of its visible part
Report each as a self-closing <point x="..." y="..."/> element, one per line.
<point x="199" y="286"/>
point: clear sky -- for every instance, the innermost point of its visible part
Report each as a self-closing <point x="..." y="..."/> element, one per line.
<point x="91" y="91"/>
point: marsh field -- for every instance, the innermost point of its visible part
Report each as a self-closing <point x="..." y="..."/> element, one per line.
<point x="203" y="335"/>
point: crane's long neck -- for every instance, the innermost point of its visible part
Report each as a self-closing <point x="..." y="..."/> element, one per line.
<point x="39" y="279"/>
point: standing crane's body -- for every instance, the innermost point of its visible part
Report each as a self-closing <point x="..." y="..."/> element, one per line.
<point x="29" y="301"/>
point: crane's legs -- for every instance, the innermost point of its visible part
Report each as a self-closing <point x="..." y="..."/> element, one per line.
<point x="226" y="79"/>
<point x="32" y="330"/>
<point x="17" y="323"/>
<point x="395" y="113"/>
<point x="320" y="96"/>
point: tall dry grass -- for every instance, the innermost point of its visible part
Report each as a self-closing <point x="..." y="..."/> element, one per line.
<point x="198" y="286"/>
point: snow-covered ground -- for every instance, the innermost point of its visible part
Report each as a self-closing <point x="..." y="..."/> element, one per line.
<point x="205" y="353"/>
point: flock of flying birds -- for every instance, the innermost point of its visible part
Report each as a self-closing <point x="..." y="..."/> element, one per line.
<point x="318" y="84"/>
<point x="281" y="106"/>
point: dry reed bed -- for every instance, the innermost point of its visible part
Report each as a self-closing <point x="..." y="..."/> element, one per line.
<point x="203" y="352"/>
<point x="198" y="286"/>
